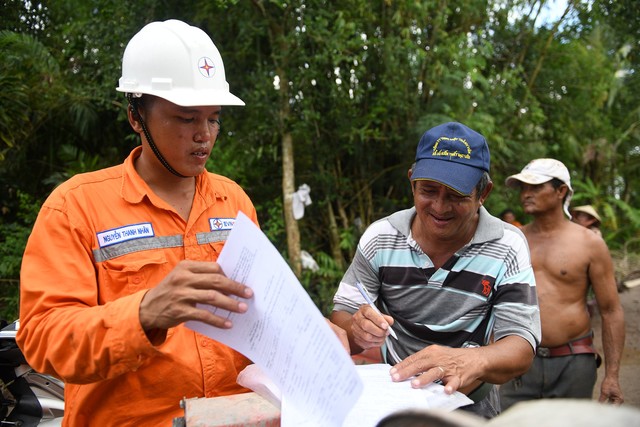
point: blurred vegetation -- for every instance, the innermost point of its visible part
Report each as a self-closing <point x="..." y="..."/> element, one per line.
<point x="354" y="84"/>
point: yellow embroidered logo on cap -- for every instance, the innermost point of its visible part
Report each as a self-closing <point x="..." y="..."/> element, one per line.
<point x="446" y="153"/>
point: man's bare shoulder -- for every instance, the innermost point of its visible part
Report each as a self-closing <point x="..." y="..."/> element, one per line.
<point x="588" y="238"/>
<point x="550" y="245"/>
<point x="565" y="229"/>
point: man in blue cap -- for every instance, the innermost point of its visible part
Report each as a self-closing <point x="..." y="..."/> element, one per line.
<point x="453" y="282"/>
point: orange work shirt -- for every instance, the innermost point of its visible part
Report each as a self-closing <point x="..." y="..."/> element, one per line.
<point x="100" y="241"/>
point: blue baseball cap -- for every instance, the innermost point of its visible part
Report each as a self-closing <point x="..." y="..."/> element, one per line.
<point x="453" y="155"/>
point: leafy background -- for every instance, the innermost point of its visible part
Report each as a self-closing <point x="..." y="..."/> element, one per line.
<point x="338" y="94"/>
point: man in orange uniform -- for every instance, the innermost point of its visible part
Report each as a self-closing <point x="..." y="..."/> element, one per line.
<point x="119" y="258"/>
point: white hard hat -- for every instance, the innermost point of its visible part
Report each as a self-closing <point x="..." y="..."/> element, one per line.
<point x="177" y="62"/>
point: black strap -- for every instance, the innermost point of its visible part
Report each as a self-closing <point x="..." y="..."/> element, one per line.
<point x="134" y="108"/>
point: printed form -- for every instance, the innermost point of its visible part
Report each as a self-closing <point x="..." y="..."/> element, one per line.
<point x="380" y="396"/>
<point x="284" y="333"/>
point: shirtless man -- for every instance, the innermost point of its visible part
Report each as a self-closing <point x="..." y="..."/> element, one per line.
<point x="567" y="258"/>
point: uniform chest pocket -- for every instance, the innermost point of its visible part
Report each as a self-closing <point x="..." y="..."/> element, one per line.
<point x="130" y="273"/>
<point x="209" y="245"/>
<point x="214" y="250"/>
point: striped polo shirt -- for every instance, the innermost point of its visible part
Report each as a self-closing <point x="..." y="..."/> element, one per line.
<point x="484" y="292"/>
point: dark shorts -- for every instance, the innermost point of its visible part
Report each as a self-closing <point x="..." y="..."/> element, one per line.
<point x="570" y="376"/>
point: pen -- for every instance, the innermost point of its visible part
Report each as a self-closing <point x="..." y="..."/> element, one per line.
<point x="369" y="301"/>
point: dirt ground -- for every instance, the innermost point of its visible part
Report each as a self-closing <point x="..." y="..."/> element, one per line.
<point x="630" y="366"/>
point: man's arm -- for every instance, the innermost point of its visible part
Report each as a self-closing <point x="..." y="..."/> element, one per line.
<point x="343" y="320"/>
<point x="364" y="326"/>
<point x="341" y="334"/>
<point x="516" y="330"/>
<point x="602" y="280"/>
<point x="59" y="304"/>
<point x="463" y="369"/>
<point x="58" y="307"/>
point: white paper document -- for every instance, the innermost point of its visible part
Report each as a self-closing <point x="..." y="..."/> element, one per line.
<point x="284" y="333"/>
<point x="380" y="397"/>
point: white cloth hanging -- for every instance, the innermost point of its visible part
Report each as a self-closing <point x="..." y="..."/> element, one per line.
<point x="308" y="262"/>
<point x="301" y="199"/>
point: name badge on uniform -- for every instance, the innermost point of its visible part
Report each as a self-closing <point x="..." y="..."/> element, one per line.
<point x="124" y="233"/>
<point x="220" y="224"/>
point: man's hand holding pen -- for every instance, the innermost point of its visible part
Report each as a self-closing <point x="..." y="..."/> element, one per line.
<point x="375" y="317"/>
<point x="370" y="328"/>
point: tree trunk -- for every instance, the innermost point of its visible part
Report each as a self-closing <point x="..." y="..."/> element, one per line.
<point x="288" y="188"/>
<point x="277" y="39"/>
<point x="334" y="236"/>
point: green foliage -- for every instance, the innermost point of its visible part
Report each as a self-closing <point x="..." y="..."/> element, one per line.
<point x="75" y="161"/>
<point x="618" y="218"/>
<point x="13" y="243"/>
<point x="272" y="222"/>
<point x="13" y="239"/>
<point x="323" y="283"/>
<point x="28" y="74"/>
<point x="355" y="83"/>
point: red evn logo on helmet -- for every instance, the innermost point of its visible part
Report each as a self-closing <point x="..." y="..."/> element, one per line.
<point x="206" y="67"/>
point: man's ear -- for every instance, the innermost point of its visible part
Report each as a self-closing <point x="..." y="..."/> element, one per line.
<point x="134" y="120"/>
<point x="486" y="192"/>
<point x="564" y="190"/>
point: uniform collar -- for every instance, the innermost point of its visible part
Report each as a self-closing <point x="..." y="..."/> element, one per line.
<point x="135" y="189"/>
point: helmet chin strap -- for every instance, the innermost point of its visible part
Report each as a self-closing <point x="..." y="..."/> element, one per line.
<point x="134" y="108"/>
